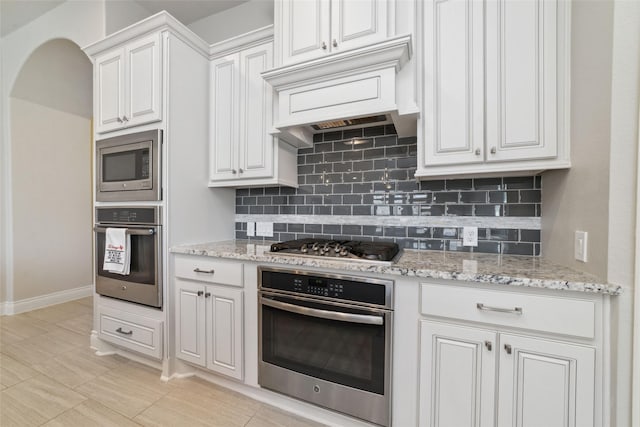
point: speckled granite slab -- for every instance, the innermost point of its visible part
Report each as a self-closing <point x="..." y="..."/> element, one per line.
<point x="513" y="270"/>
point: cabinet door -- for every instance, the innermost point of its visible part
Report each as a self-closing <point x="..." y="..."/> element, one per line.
<point x="453" y="82"/>
<point x="223" y="124"/>
<point x="357" y="23"/>
<point x="256" y="144"/>
<point x="109" y="90"/>
<point x="144" y="80"/>
<point x="457" y="375"/>
<point x="224" y="332"/>
<point x="190" y="322"/>
<point x="304" y="30"/>
<point x="545" y="383"/>
<point x="522" y="93"/>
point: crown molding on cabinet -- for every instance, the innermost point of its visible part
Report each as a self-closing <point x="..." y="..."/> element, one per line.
<point x="159" y="21"/>
<point x="242" y="41"/>
<point x="395" y="50"/>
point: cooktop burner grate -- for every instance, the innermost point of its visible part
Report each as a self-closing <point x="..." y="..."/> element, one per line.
<point x="340" y="249"/>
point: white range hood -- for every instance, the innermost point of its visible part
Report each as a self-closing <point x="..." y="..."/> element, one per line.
<point x="355" y="88"/>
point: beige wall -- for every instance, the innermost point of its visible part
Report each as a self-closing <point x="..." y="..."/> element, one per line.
<point x="577" y="199"/>
<point x="52" y="234"/>
<point x="235" y="21"/>
<point x="625" y="102"/>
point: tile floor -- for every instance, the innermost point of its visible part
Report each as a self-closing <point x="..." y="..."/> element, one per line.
<point x="50" y="377"/>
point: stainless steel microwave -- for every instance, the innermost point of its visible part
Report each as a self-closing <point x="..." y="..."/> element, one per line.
<point x="128" y="167"/>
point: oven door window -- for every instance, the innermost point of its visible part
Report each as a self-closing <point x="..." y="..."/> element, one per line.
<point x="351" y="354"/>
<point x="143" y="260"/>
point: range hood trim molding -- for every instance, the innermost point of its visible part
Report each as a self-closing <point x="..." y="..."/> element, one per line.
<point x="395" y="51"/>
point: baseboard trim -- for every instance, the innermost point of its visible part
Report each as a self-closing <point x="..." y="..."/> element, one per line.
<point x="9" y="308"/>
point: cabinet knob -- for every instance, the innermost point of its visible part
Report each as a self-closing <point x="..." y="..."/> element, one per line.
<point x="119" y="120"/>
<point x="507" y="348"/>
<point x="233" y="171"/>
<point x="241" y="170"/>
<point x="125" y="119"/>
<point x="488" y="345"/>
<point x="335" y="43"/>
<point x="493" y="150"/>
<point x="200" y="293"/>
<point x="324" y="46"/>
<point x="207" y="295"/>
<point x="477" y="151"/>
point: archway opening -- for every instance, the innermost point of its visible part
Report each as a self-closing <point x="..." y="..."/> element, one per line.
<point x="51" y="140"/>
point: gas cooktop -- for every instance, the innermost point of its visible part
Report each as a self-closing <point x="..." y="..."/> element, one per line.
<point x="351" y="250"/>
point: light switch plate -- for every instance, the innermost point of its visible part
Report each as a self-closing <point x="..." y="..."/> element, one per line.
<point x="251" y="229"/>
<point x="470" y="236"/>
<point x="580" y="246"/>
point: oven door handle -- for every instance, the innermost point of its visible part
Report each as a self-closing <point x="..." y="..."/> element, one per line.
<point x="131" y="231"/>
<point x="325" y="314"/>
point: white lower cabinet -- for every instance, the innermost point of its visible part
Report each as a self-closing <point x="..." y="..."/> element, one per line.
<point x="457" y="371"/>
<point x="209" y="325"/>
<point x="131" y="331"/>
<point x="545" y="383"/>
<point x="472" y="374"/>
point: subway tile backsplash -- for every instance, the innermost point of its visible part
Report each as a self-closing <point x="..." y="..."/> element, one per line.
<point x="366" y="191"/>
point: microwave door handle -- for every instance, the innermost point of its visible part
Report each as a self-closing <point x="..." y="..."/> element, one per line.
<point x="325" y="314"/>
<point x="131" y="231"/>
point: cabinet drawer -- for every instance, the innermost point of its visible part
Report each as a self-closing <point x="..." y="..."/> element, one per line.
<point x="137" y="333"/>
<point x="558" y="315"/>
<point x="209" y="270"/>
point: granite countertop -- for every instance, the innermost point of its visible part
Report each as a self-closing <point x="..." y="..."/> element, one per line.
<point x="513" y="270"/>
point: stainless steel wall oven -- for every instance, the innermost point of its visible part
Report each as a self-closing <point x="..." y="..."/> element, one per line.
<point x="143" y="285"/>
<point x="326" y="339"/>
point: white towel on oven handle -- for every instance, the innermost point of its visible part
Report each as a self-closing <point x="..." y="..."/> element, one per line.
<point x="117" y="251"/>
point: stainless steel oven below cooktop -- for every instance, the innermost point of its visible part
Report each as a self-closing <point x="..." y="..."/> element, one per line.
<point x="350" y="250"/>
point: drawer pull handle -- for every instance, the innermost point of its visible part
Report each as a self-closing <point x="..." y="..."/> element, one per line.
<point x="515" y="310"/>
<point x="207" y="295"/>
<point x="488" y="345"/>
<point x="200" y="293"/>
<point x="120" y="331"/>
<point x="197" y="270"/>
<point x="507" y="348"/>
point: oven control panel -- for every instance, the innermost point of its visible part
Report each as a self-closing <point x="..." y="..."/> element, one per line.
<point x="318" y="286"/>
<point x="365" y="290"/>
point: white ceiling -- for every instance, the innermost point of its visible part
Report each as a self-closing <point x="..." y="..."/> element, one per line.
<point x="16" y="13"/>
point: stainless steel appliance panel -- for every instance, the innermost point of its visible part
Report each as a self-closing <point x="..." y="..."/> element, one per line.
<point x="128" y="167"/>
<point x="143" y="285"/>
<point x="324" y="349"/>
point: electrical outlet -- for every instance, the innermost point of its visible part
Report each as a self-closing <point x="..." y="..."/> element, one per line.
<point x="470" y="236"/>
<point x="383" y="210"/>
<point x="580" y="246"/>
<point x="251" y="229"/>
<point x="264" y="229"/>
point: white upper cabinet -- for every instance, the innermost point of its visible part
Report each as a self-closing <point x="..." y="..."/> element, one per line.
<point x="312" y="28"/>
<point x="128" y="84"/>
<point x="242" y="151"/>
<point x="454" y="82"/>
<point x="495" y="86"/>
<point x="522" y="79"/>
